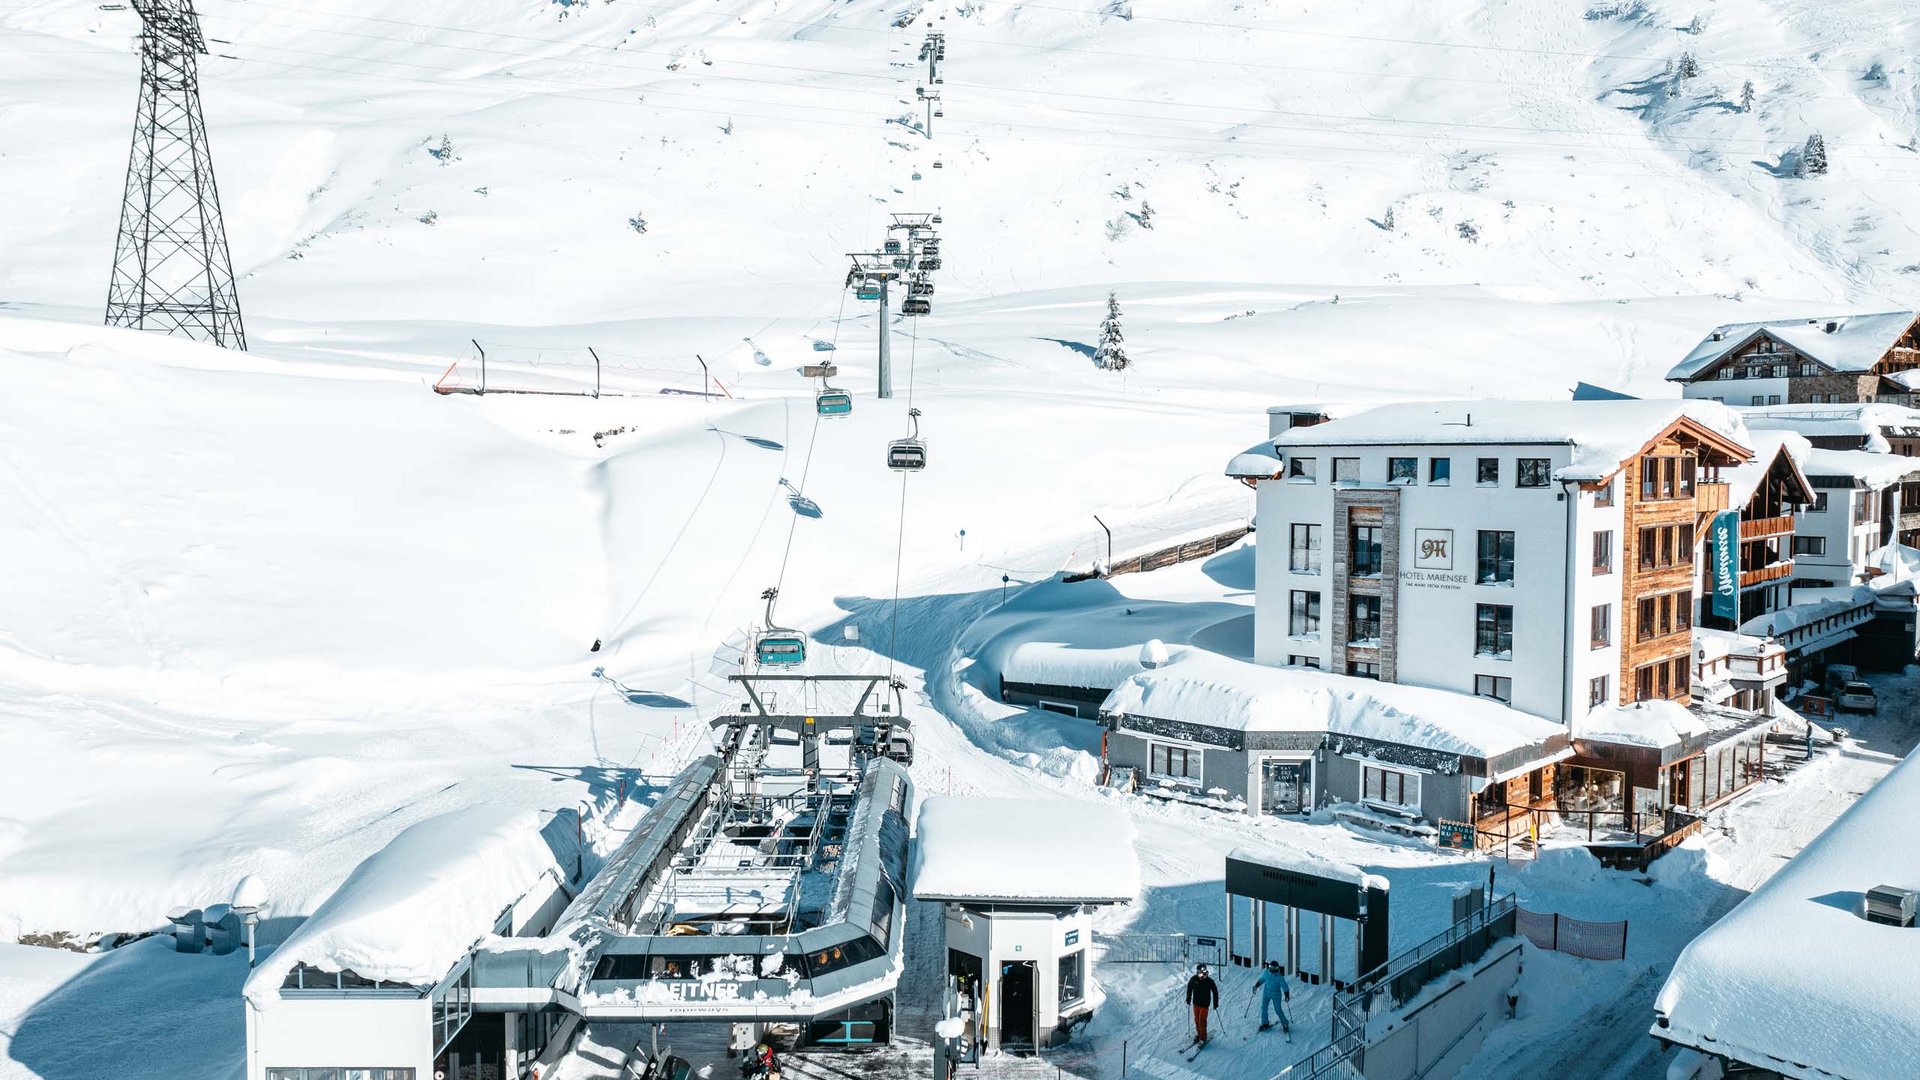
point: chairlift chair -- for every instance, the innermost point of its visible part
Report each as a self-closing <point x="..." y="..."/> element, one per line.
<point x="930" y="262"/>
<point x="778" y="646"/>
<point x="900" y="262"/>
<point x="920" y="288"/>
<point x="938" y="111"/>
<point x="908" y="454"/>
<point x="831" y="402"/>
<point x="893" y="247"/>
<point x="937" y="164"/>
<point x="936" y="219"/>
<point x="914" y="305"/>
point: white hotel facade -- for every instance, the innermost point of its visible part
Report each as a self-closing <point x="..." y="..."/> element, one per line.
<point x="1506" y="549"/>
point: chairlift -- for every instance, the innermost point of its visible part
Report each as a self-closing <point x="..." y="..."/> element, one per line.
<point x="919" y="288"/>
<point x="938" y="164"/>
<point x="908" y="454"/>
<point x="868" y="290"/>
<point x="900" y="262"/>
<point x="831" y="401"/>
<point x="936" y="219"/>
<point x="776" y="645"/>
<point x="916" y="174"/>
<point x="938" y="111"/>
<point x="930" y="262"/>
<point x="914" y="305"/>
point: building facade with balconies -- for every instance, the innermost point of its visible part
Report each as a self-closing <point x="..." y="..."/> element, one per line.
<point x="1832" y="358"/>
<point x="1539" y="553"/>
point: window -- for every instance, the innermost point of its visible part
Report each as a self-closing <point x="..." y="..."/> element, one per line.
<point x="1603" y="495"/>
<point x="1665" y="476"/>
<point x="1174" y="762"/>
<point x="1773" y="399"/>
<point x="1603" y="552"/>
<point x="1363" y="671"/>
<point x="1363" y="620"/>
<point x="1303" y="550"/>
<point x="1597" y="691"/>
<point x="1682" y="676"/>
<point x="1403" y="470"/>
<point x="1493" y="631"/>
<point x="1346" y="470"/>
<point x="1643" y="683"/>
<point x="1389" y="786"/>
<point x="1300" y="468"/>
<point x="1304" y="614"/>
<point x="1601" y="625"/>
<point x="1759" y="399"/>
<point x="1073" y="977"/>
<point x="1296" y="660"/>
<point x="1819" y="503"/>
<point x="1440" y="471"/>
<point x="1533" y="472"/>
<point x="1488" y="471"/>
<point x="1665" y="545"/>
<point x="1496" y="558"/>
<point x="1365" y="550"/>
<point x="1809" y="545"/>
<point x="1493" y="686"/>
<point x="1649" y="617"/>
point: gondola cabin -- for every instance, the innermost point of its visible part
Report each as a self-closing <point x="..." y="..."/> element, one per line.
<point x="906" y="455"/>
<point x="867" y="291"/>
<point x="893" y="247"/>
<point x="780" y="648"/>
<point x="833" y="403"/>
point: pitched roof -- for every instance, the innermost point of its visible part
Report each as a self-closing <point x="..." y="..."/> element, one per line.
<point x="1856" y="343"/>
<point x="1602" y="434"/>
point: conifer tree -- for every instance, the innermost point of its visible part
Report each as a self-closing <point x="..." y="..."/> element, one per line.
<point x="1112" y="354"/>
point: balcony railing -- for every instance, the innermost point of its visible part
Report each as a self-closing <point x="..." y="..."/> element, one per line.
<point x="1710" y="496"/>
<point x="1760" y="528"/>
<point x="1764" y="574"/>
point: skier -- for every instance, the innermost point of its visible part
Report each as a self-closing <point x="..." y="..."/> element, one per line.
<point x="1202" y="994"/>
<point x="1271" y="985"/>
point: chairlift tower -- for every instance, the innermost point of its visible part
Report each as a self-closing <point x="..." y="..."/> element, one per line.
<point x="171" y="270"/>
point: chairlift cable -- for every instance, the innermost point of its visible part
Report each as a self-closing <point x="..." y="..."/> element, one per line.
<point x="900" y="536"/>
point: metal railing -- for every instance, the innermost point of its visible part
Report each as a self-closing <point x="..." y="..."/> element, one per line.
<point x="1185" y="949"/>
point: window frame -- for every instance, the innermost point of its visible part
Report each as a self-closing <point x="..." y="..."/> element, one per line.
<point x="1403" y="470"/>
<point x="1602" y="552"/>
<point x="1389" y="781"/>
<point x="1193" y="760"/>
<point x="1815" y="546"/>
<point x="1377" y="546"/>
<point x="1440" y="472"/>
<point x="1600" y="626"/>
<point x="1533" y="472"/>
<point x="1302" y="470"/>
<point x="1488" y="624"/>
<point x="1489" y="686"/>
<point x="1303" y="606"/>
<point x="1480" y="472"/>
<point x="1496" y="559"/>
<point x="1355" y="621"/>
<point x="1346" y="470"/>
<point x="1313" y="551"/>
<point x="1598" y="691"/>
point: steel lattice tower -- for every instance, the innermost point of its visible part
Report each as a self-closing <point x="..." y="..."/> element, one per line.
<point x="171" y="271"/>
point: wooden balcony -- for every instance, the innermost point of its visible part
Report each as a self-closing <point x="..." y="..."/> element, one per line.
<point x="1750" y="578"/>
<point x="1710" y="497"/>
<point x="1761" y="528"/>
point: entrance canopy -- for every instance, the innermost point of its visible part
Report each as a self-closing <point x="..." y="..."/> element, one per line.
<point x="1024" y="851"/>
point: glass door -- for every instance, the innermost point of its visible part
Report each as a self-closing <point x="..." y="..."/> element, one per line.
<point x="1284" y="786"/>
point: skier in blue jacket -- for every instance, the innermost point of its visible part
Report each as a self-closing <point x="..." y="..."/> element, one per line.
<point x="1271" y="985"/>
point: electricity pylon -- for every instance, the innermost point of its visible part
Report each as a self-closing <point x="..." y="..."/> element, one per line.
<point x="171" y="270"/>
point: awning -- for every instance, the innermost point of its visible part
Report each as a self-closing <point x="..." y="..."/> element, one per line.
<point x="1823" y="643"/>
<point x="1524" y="768"/>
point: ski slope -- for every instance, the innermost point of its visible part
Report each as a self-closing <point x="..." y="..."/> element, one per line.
<point x="264" y="611"/>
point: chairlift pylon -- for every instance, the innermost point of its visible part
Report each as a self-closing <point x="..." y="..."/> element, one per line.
<point x="908" y="454"/>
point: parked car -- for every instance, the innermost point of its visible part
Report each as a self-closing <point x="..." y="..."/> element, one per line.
<point x="1839" y="675"/>
<point x="1858" y="697"/>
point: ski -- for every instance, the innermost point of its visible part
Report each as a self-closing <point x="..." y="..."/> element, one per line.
<point x="1198" y="1046"/>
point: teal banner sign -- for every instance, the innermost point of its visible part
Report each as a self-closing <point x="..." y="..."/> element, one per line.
<point x="1725" y="538"/>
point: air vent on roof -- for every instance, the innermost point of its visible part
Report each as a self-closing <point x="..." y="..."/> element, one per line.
<point x="1832" y="326"/>
<point x="1719" y="335"/>
<point x="1891" y="905"/>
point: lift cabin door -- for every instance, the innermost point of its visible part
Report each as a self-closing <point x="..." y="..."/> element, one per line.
<point x="1016" y="1006"/>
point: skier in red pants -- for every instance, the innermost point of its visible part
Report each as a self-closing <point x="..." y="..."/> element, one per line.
<point x="1202" y="994"/>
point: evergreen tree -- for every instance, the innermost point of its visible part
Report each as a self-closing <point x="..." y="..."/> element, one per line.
<point x="1689" y="65"/>
<point x="1746" y="96"/>
<point x="1813" y="156"/>
<point x="1112" y="354"/>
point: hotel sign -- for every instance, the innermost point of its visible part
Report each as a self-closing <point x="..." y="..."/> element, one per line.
<point x="1433" y="549"/>
<point x="1725" y="536"/>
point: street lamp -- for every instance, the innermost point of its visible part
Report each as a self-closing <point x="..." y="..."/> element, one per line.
<point x="250" y="903"/>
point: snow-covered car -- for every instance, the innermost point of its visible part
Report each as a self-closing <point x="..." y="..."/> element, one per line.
<point x="1857" y="697"/>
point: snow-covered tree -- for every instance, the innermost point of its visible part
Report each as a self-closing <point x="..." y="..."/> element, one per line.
<point x="1387" y="222"/>
<point x="1112" y="353"/>
<point x="1145" y="216"/>
<point x="1696" y="26"/>
<point x="1746" y="96"/>
<point x="1813" y="156"/>
<point x="1689" y="67"/>
<point x="638" y="223"/>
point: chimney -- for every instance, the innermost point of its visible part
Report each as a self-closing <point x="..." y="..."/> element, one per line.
<point x="1832" y="326"/>
<point x="1719" y="335"/>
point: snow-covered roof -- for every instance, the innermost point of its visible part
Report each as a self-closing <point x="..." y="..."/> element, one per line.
<point x="1653" y="724"/>
<point x="1870" y="469"/>
<point x="1793" y="978"/>
<point x="1024" y="851"/>
<point x="1261" y="461"/>
<point x="1307" y="862"/>
<point x="413" y="909"/>
<point x="1208" y="689"/>
<point x="1821" y="604"/>
<point x="1602" y="434"/>
<point x="1745" y="478"/>
<point x="1049" y="663"/>
<point x="1865" y="419"/>
<point x="1856" y="343"/>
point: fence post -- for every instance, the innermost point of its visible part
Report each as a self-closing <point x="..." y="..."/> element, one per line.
<point x="596" y="370"/>
<point x="1556" y="931"/>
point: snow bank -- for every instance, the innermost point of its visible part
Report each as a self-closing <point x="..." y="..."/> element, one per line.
<point x="411" y="910"/>
<point x="1601" y="433"/>
<point x="1199" y="687"/>
<point x="1645" y="723"/>
<point x="1794" y="974"/>
<point x="1051" y="664"/>
<point x="1034" y="850"/>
